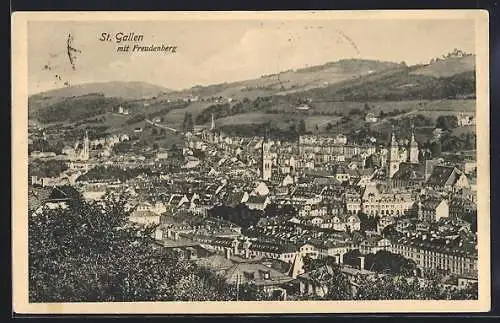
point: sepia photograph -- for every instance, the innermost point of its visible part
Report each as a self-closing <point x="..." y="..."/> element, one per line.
<point x="251" y="162"/>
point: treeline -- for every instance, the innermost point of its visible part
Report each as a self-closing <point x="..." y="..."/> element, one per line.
<point x="382" y="262"/>
<point x="337" y="286"/>
<point x="112" y="172"/>
<point x="400" y="85"/>
<point x="227" y="109"/>
<point x="240" y="215"/>
<point x="259" y="129"/>
<point x="46" y="145"/>
<point x="46" y="168"/>
<point x="136" y="119"/>
<point x="77" y="108"/>
<point x="98" y="257"/>
<point x="169" y="106"/>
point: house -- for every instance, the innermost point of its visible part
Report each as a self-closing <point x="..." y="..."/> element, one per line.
<point x="265" y="278"/>
<point x="285" y="252"/>
<point x="432" y="209"/>
<point x="461" y="207"/>
<point x="257" y="202"/>
<point x="334" y="248"/>
<point x="260" y="189"/>
<point x="371" y="117"/>
<point x="374" y="244"/>
<point x="448" y="177"/>
<point x="409" y="175"/>
<point x="344" y="222"/>
<point x="309" y="250"/>
<point x="316" y="282"/>
<point x="340" y="139"/>
<point x="383" y="222"/>
<point x="144" y="217"/>
<point x="59" y="197"/>
<point x="217" y="262"/>
<point x="465" y="120"/>
<point x="451" y="257"/>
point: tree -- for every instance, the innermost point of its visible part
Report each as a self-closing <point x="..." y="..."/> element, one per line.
<point x="327" y="274"/>
<point x="90" y="253"/>
<point x="390" y="263"/>
<point x="436" y="148"/>
<point x="187" y="124"/>
<point x="447" y="122"/>
<point x="48" y="168"/>
<point x="302" y="127"/>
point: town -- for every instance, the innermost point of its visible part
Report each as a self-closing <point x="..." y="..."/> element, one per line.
<point x="260" y="209"/>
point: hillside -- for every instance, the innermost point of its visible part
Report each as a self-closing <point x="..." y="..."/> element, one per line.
<point x="447" y="67"/>
<point x="291" y="81"/>
<point x="126" y="90"/>
<point x="331" y="91"/>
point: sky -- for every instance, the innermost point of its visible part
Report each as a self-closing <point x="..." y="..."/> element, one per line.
<point x="217" y="51"/>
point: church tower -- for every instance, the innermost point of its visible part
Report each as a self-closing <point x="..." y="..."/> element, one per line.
<point x="413" y="147"/>
<point x="267" y="161"/>
<point x="212" y="125"/>
<point x="393" y="155"/>
<point x="85" y="154"/>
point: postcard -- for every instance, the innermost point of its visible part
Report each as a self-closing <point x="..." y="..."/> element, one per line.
<point x="250" y="162"/>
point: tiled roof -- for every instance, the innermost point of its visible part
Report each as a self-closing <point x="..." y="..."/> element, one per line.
<point x="440" y="175"/>
<point x="256" y="273"/>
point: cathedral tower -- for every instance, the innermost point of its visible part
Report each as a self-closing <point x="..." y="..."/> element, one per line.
<point x="267" y="161"/>
<point x="413" y="147"/>
<point x="393" y="155"/>
<point x="212" y="125"/>
<point x="86" y="147"/>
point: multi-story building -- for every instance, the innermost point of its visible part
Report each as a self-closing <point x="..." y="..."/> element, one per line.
<point x="451" y="258"/>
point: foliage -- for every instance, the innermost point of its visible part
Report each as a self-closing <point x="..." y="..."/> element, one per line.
<point x="226" y="109"/>
<point x="187" y="124"/>
<point x="382" y="262"/>
<point x="302" y="127"/>
<point x="45" y="145"/>
<point x="90" y="253"/>
<point x="122" y="147"/>
<point x="77" y="108"/>
<point x="136" y="119"/>
<point x="452" y="143"/>
<point x="112" y="173"/>
<point x="368" y="223"/>
<point x="329" y="277"/>
<point x="396" y="287"/>
<point x="240" y="215"/>
<point x="390" y="263"/>
<point x="447" y="122"/>
<point x="46" y="168"/>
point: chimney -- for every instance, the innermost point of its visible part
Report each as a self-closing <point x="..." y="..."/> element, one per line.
<point x="361" y="262"/>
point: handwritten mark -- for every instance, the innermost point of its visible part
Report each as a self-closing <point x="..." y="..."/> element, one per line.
<point x="349" y="40"/>
<point x="72" y="51"/>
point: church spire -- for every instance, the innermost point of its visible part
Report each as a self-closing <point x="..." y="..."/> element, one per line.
<point x="393" y="137"/>
<point x="413" y="142"/>
<point x="212" y="126"/>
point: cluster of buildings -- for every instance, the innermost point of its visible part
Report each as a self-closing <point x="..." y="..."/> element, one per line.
<point x="313" y="197"/>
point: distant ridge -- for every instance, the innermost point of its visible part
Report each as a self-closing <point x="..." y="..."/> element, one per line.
<point x="126" y="90"/>
<point x="448" y="66"/>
